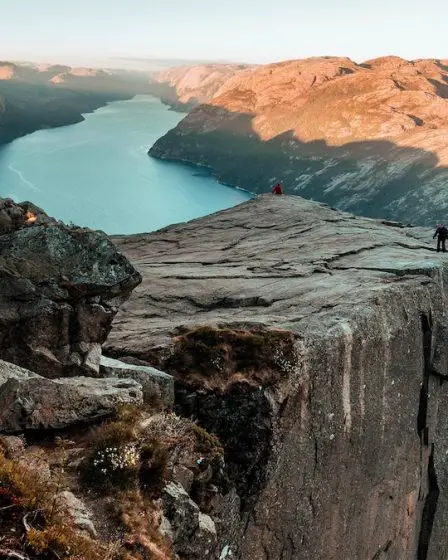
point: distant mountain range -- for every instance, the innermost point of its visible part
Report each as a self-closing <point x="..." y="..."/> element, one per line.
<point x="185" y="87"/>
<point x="35" y="96"/>
<point x="370" y="138"/>
<point x="153" y="64"/>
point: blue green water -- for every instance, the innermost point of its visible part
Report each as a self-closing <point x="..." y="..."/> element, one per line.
<point x="97" y="173"/>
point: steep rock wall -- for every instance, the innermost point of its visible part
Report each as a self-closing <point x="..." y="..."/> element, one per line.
<point x="352" y="472"/>
<point x="342" y="455"/>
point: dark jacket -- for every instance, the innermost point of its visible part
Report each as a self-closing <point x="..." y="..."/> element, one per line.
<point x="442" y="232"/>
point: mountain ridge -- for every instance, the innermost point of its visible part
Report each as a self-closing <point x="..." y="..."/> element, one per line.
<point x="36" y="96"/>
<point x="331" y="130"/>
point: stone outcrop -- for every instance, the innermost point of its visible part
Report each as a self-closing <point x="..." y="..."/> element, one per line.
<point x="192" y="533"/>
<point x="60" y="288"/>
<point x="157" y="386"/>
<point x="11" y="371"/>
<point x="68" y="504"/>
<point x="324" y="357"/>
<point x="31" y="402"/>
<point x="369" y="138"/>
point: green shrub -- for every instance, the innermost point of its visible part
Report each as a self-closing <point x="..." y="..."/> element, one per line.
<point x="113" y="461"/>
<point x="205" y="442"/>
<point x="154" y="464"/>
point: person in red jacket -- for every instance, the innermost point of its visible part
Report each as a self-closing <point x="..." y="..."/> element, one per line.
<point x="277" y="189"/>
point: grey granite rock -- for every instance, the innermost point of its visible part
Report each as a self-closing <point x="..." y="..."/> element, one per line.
<point x="157" y="386"/>
<point x="345" y="451"/>
<point x="60" y="288"/>
<point x="67" y="503"/>
<point x="39" y="403"/>
<point x="193" y="533"/>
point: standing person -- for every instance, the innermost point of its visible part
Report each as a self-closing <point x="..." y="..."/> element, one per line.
<point x="441" y="234"/>
<point x="277" y="189"/>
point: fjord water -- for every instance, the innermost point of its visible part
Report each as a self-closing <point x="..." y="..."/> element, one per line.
<point x="97" y="173"/>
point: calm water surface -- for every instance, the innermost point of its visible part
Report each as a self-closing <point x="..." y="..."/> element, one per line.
<point x="97" y="173"/>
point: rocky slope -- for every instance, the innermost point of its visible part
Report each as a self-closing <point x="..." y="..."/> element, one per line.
<point x="93" y="463"/>
<point x="313" y="343"/>
<point x="46" y="96"/>
<point x="369" y="138"/>
<point x="185" y="87"/>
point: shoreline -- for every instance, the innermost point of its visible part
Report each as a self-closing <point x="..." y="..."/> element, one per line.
<point x="216" y="197"/>
<point x="92" y="106"/>
<point x="209" y="172"/>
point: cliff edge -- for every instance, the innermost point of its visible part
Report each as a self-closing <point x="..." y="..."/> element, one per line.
<point x="313" y="344"/>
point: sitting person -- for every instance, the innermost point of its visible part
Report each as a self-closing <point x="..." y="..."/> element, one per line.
<point x="277" y="189"/>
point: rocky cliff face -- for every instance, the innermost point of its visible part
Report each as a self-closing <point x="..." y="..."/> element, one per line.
<point x="368" y="138"/>
<point x="185" y="87"/>
<point x="60" y="288"/>
<point x="313" y="343"/>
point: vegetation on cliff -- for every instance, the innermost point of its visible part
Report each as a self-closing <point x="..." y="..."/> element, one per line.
<point x="119" y="468"/>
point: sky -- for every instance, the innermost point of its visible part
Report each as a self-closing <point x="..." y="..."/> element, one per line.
<point x="79" y="31"/>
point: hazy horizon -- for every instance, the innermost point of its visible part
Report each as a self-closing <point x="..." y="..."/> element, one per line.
<point x="255" y="32"/>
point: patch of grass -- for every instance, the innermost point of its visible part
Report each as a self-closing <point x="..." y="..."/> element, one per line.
<point x="218" y="355"/>
<point x="129" y="414"/>
<point x="25" y="495"/>
<point x="140" y="520"/>
<point x="113" y="461"/>
<point x="61" y="541"/>
<point x="205" y="442"/>
<point x="122" y="457"/>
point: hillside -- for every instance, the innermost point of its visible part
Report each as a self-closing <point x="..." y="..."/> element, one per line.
<point x="185" y="87"/>
<point x="369" y="138"/>
<point x="45" y="96"/>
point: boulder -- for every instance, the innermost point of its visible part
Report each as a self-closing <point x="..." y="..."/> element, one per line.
<point x="157" y="386"/>
<point x="11" y="371"/>
<point x="204" y="539"/>
<point x="181" y="512"/>
<point x="37" y="403"/>
<point x="67" y="503"/>
<point x="60" y="288"/>
<point x="193" y="533"/>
